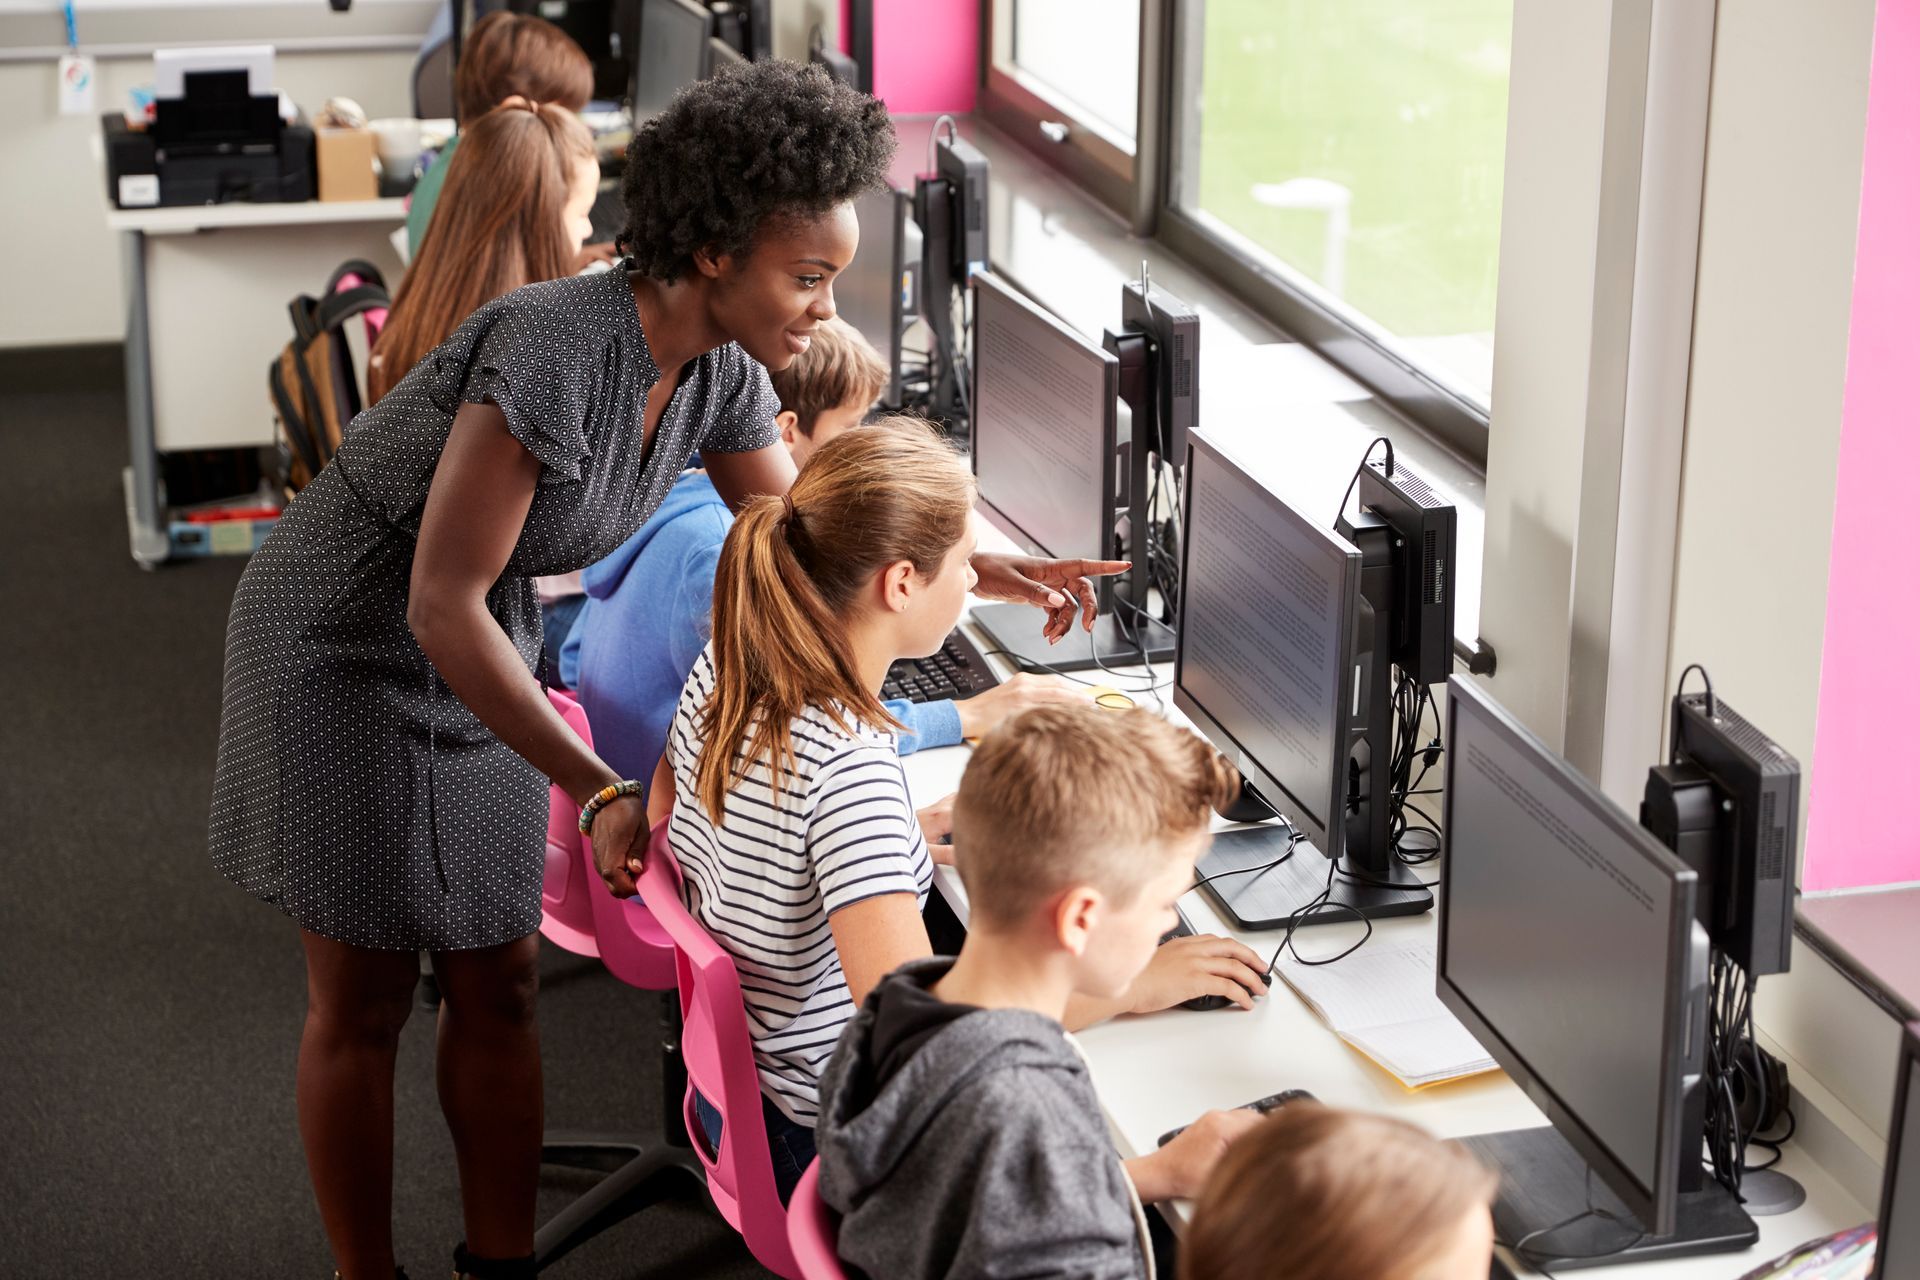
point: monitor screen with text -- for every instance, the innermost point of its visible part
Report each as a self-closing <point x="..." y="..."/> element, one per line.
<point x="1266" y="623"/>
<point x="1043" y="425"/>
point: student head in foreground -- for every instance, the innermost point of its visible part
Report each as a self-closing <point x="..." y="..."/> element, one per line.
<point x="513" y="211"/>
<point x="1318" y="1194"/>
<point x="504" y="55"/>
<point x="648" y="608"/>
<point x="790" y="813"/>
<point x="959" y="1128"/>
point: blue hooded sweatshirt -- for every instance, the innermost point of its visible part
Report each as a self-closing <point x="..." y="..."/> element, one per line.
<point x="646" y="619"/>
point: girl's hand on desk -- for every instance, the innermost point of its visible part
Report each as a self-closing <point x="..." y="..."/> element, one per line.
<point x="619" y="841"/>
<point x="1204" y="965"/>
<point x="1180" y="1169"/>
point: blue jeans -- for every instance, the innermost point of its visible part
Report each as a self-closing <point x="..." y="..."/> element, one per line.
<point x="789" y="1142"/>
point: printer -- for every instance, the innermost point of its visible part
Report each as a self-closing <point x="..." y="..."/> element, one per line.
<point x="217" y="134"/>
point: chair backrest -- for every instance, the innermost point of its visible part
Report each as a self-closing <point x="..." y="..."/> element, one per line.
<point x="718" y="1051"/>
<point x="633" y="946"/>
<point x="812" y="1229"/>
<point x="566" y="906"/>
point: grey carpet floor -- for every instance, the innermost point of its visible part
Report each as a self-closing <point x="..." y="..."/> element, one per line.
<point x="150" y="1011"/>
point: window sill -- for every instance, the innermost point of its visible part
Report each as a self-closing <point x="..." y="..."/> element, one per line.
<point x="1295" y="419"/>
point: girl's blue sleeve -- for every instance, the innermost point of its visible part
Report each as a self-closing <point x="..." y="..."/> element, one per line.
<point x="929" y="724"/>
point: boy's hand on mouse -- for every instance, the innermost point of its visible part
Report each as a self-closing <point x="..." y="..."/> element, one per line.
<point x="1204" y="965"/>
<point x="936" y="824"/>
<point x="984" y="712"/>
<point x="1180" y="1169"/>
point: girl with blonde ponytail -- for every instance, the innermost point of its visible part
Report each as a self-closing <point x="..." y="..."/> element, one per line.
<point x="795" y="831"/>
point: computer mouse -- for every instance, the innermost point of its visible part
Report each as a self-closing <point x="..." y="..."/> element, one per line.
<point x="1204" y="1003"/>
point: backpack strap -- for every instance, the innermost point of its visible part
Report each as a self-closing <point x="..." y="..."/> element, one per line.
<point x="368" y="273"/>
<point x="337" y="308"/>
<point x="292" y="423"/>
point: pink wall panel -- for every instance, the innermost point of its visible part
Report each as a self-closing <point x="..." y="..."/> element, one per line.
<point x="1860" y="829"/>
<point x="926" y="53"/>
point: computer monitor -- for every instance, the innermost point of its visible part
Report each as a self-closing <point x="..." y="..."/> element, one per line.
<point x="1568" y="947"/>
<point x="1264" y="669"/>
<point x="1172" y="332"/>
<point x="745" y="27"/>
<point x="722" y="53"/>
<point x="1728" y="803"/>
<point x="674" y="53"/>
<point x="1045" y="458"/>
<point x="879" y="292"/>
<point x="1897" y="1255"/>
<point x="950" y="208"/>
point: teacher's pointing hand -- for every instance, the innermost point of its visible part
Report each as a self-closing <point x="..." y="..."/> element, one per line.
<point x="1061" y="587"/>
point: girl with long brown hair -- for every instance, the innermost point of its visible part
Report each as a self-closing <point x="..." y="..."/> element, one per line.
<point x="514" y="210"/>
<point x="1319" y="1194"/>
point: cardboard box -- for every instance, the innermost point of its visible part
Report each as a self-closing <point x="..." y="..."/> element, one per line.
<point x="344" y="161"/>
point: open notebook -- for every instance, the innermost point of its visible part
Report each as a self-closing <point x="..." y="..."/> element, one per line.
<point x="1381" y="1001"/>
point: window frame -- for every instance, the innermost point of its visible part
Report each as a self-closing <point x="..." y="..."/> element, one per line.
<point x="1016" y="103"/>
<point x="1139" y="185"/>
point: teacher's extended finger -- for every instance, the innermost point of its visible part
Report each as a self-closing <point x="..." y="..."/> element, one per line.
<point x="1089" y="601"/>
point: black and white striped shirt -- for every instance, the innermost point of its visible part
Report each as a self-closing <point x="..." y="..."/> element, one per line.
<point x="840" y="830"/>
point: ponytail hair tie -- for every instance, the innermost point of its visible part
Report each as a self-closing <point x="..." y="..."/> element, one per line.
<point x="790" y="516"/>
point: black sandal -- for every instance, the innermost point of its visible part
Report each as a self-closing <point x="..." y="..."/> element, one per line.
<point x="466" y="1265"/>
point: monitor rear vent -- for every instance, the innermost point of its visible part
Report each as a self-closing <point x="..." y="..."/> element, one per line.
<point x="1412" y="485"/>
<point x="1741" y="732"/>
<point x="1182" y="367"/>
<point x="1773" y="840"/>
<point x="1430" y="586"/>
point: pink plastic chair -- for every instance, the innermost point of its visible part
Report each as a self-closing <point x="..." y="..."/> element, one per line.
<point x="636" y="950"/>
<point x="718" y="1051"/>
<point x="566" y="895"/>
<point x="812" y="1230"/>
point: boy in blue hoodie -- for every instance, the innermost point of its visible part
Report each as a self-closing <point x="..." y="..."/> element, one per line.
<point x="646" y="617"/>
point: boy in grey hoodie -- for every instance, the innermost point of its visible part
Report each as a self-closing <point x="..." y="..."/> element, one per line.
<point x="959" y="1132"/>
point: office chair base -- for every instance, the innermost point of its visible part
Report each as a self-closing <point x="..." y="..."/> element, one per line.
<point x="642" y="1175"/>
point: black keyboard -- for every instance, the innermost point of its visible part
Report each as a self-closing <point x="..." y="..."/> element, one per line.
<point x="1272" y="1102"/>
<point x="957" y="671"/>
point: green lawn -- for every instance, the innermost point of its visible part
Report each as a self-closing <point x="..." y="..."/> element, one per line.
<point x="1402" y="101"/>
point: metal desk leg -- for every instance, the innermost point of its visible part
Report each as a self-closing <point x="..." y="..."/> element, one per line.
<point x="145" y="532"/>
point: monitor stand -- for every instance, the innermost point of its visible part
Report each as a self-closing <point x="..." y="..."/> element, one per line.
<point x="1272" y="898"/>
<point x="1017" y="630"/>
<point x="1543" y="1182"/>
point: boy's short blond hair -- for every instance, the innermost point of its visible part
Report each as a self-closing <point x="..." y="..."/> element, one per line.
<point x="1062" y="796"/>
<point x="839" y="367"/>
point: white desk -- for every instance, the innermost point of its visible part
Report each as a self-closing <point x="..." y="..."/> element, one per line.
<point x="1161" y="1070"/>
<point x="207" y="289"/>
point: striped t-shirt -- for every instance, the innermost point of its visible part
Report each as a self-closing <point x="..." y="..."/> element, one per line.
<point x="763" y="882"/>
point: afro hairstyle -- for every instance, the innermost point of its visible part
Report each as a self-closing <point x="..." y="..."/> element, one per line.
<point x="765" y="140"/>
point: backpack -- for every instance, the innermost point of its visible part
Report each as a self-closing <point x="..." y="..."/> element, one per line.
<point x="315" y="388"/>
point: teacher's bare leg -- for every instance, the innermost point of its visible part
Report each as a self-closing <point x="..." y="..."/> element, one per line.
<point x="489" y="1073"/>
<point x="357" y="1002"/>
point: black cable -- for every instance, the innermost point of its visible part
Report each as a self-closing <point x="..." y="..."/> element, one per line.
<point x="1539" y="1261"/>
<point x="1348" y="495"/>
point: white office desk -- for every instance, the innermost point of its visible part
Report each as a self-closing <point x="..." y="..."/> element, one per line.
<point x="1161" y="1070"/>
<point x="207" y="289"/>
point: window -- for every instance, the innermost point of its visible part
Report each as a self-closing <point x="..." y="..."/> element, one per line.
<point x="1352" y="151"/>
<point x="1063" y="77"/>
<point x="1083" y="55"/>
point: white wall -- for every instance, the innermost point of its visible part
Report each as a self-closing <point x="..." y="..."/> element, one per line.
<point x="1778" y="218"/>
<point x="60" y="264"/>
<point x="1544" y="330"/>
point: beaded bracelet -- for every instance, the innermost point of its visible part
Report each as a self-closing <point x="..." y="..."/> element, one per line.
<point x="606" y="796"/>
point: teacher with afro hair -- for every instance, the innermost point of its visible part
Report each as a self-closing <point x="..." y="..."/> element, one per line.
<point x="385" y="748"/>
